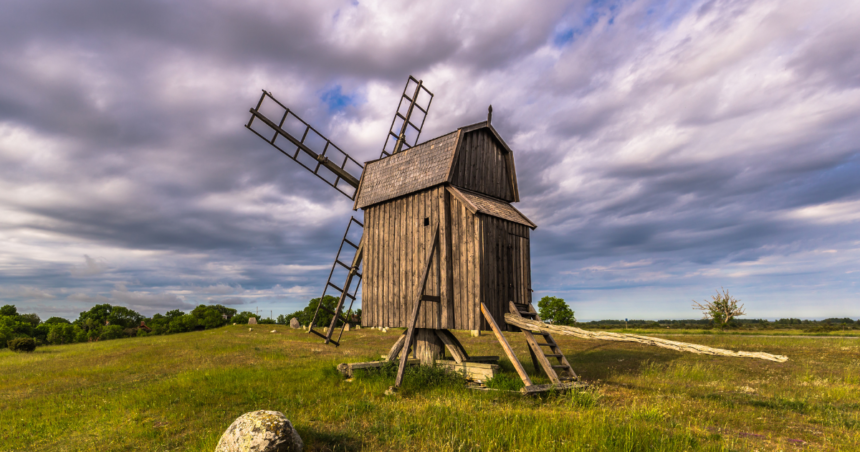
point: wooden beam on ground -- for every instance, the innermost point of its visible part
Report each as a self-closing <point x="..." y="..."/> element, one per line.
<point x="537" y="389"/>
<point x="534" y="325"/>
<point x="347" y="369"/>
<point x="473" y="371"/>
<point x="483" y="359"/>
<point x="507" y="347"/>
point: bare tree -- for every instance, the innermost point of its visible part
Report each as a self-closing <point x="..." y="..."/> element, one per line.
<point x="722" y="308"/>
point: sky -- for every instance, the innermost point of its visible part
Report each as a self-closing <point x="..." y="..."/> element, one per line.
<point x="664" y="149"/>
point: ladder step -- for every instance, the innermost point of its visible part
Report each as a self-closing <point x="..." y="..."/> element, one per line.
<point x="353" y="244"/>
<point x="337" y="261"/>
<point x="560" y="366"/>
<point x="545" y="345"/>
<point x="526" y="313"/>
<point x="340" y="290"/>
<point x="553" y="355"/>
<point x="318" y="334"/>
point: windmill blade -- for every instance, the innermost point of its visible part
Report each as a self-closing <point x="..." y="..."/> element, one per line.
<point x="409" y="117"/>
<point x="283" y="129"/>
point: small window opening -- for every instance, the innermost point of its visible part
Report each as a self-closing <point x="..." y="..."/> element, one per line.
<point x="426" y="221"/>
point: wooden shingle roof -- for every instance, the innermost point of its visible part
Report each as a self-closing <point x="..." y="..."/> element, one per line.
<point x="494" y="207"/>
<point x="414" y="169"/>
<point x="423" y="166"/>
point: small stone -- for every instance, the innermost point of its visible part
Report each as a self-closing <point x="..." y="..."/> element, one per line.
<point x="391" y="391"/>
<point x="385" y="330"/>
<point x="234" y="323"/>
<point x="273" y="331"/>
<point x="261" y="431"/>
<point x="252" y="321"/>
<point x="294" y="323"/>
<point x="325" y="329"/>
<point x="346" y="327"/>
<point x="250" y="329"/>
<point x="476" y="333"/>
<point x="358" y="327"/>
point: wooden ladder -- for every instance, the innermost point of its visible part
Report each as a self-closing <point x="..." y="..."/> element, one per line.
<point x="347" y="291"/>
<point x="557" y="373"/>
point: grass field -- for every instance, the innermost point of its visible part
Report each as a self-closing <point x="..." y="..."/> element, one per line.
<point x="181" y="392"/>
<point x="736" y="332"/>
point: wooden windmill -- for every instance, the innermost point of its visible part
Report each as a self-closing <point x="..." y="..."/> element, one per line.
<point x="442" y="247"/>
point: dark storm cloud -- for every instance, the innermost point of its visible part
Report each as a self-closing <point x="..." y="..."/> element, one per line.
<point x="660" y="146"/>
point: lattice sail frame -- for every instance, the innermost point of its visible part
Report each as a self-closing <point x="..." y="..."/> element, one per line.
<point x="312" y="150"/>
<point x="414" y="95"/>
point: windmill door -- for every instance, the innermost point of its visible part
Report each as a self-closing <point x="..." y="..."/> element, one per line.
<point x="519" y="269"/>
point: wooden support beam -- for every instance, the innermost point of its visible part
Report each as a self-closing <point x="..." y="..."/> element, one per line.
<point x="453" y="346"/>
<point x="395" y="349"/>
<point x="410" y="332"/>
<point x="507" y="347"/>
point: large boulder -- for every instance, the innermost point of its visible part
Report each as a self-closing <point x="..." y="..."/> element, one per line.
<point x="294" y="323"/>
<point x="261" y="431"/>
<point x="252" y="321"/>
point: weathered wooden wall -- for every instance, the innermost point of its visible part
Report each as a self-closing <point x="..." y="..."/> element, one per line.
<point x="481" y="259"/>
<point x="397" y="245"/>
<point x="506" y="266"/>
<point x="465" y="267"/>
<point x="481" y="166"/>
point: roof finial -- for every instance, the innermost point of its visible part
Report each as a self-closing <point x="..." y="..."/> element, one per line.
<point x="490" y="115"/>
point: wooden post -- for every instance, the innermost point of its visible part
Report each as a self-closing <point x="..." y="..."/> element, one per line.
<point x="428" y="346"/>
<point x="507" y="347"/>
<point x="410" y="332"/>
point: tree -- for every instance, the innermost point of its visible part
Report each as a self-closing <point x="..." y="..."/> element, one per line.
<point x="722" y="308"/>
<point x="556" y="311"/>
<point x="32" y="319"/>
<point x="9" y="310"/>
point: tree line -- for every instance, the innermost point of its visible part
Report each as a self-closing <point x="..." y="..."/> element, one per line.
<point x="106" y="322"/>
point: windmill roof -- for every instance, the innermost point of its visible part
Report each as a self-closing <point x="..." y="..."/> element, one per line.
<point x="426" y="165"/>
<point x="419" y="167"/>
<point x="497" y="208"/>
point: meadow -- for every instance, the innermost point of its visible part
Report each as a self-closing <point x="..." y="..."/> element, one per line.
<point x="181" y="391"/>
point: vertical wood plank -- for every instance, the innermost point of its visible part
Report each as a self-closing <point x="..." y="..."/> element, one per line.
<point x="367" y="280"/>
<point x="455" y="261"/>
<point x="448" y="302"/>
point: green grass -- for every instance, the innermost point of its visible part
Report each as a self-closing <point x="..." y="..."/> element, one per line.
<point x="180" y="392"/>
<point x="732" y="332"/>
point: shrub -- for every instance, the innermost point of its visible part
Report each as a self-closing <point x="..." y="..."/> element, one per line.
<point x="22" y="344"/>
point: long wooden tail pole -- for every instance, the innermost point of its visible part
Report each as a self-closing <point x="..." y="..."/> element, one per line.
<point x="646" y="340"/>
<point x="507" y="347"/>
<point x="410" y="332"/>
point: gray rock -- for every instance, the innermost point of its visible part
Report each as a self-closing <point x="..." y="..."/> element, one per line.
<point x="261" y="431"/>
<point x="252" y="321"/>
<point x="294" y="323"/>
<point x="346" y="327"/>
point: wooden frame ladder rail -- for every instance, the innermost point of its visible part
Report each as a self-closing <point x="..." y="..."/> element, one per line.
<point x="347" y="291"/>
<point x="419" y="297"/>
<point x="538" y="355"/>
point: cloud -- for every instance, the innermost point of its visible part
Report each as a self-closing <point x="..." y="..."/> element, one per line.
<point x="710" y="141"/>
<point x="90" y="267"/>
